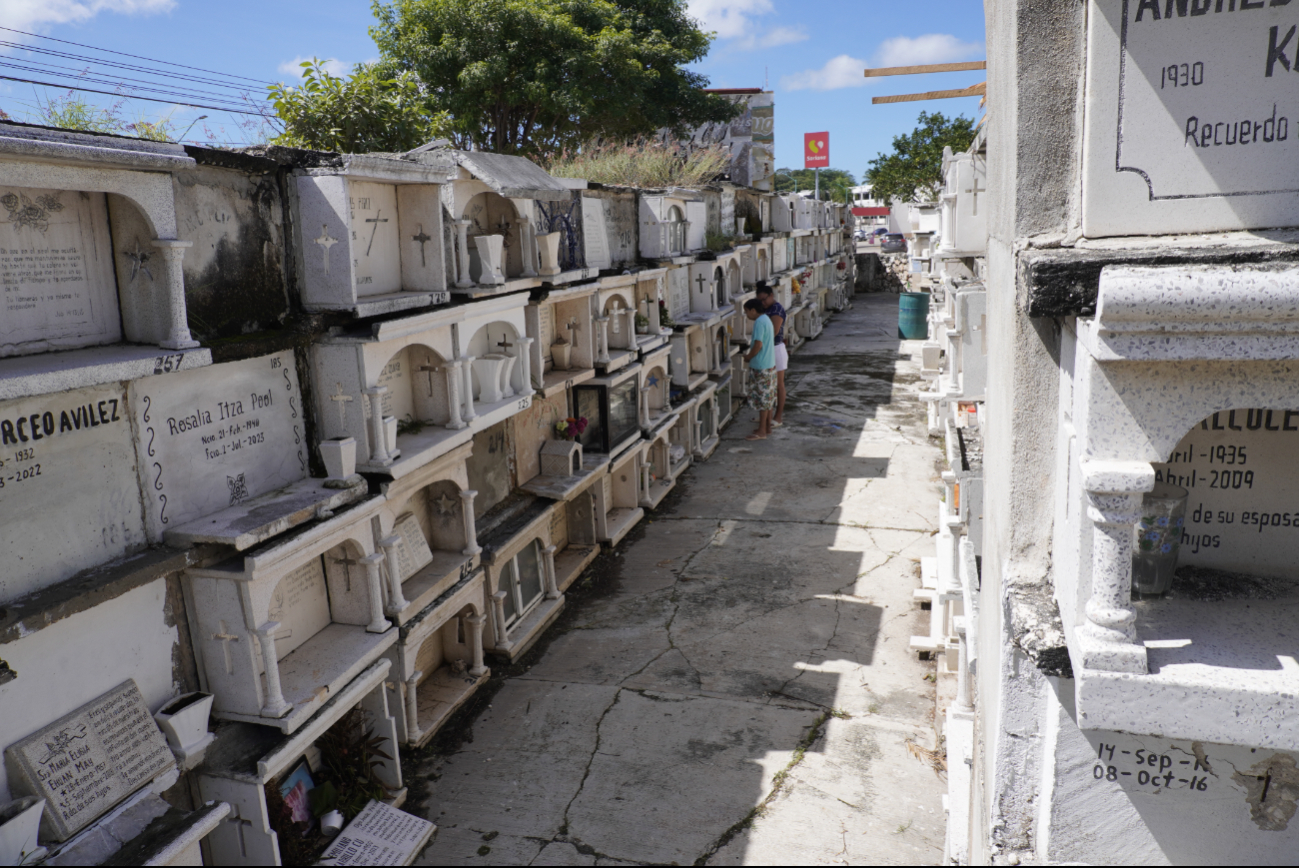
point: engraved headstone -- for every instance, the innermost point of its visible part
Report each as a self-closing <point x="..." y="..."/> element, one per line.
<point x="1189" y="122"/>
<point x="56" y="271"/>
<point x="219" y="436"/>
<point x="595" y="234"/>
<point x="395" y="376"/>
<point x="69" y="492"/>
<point x="413" y="553"/>
<point x="376" y="248"/>
<point x="300" y="603"/>
<point x="379" y="835"/>
<point x="1240" y="476"/>
<point x="86" y="762"/>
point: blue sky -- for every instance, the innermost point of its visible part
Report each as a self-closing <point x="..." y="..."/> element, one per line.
<point x="810" y="52"/>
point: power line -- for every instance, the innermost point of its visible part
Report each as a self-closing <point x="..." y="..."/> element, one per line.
<point x="131" y="96"/>
<point x="183" y="93"/>
<point x="18" y="46"/>
<point x="134" y="56"/>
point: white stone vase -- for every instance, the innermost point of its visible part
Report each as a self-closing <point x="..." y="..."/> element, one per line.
<point x="20" y="824"/>
<point x="561" y="355"/>
<point x="184" y="721"/>
<point x="331" y="824"/>
<point x="490" y="251"/>
<point x="548" y="249"/>
<point x="339" y="456"/>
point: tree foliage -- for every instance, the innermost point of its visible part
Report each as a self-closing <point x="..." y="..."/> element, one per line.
<point x="534" y="77"/>
<point x="363" y="112"/>
<point x="836" y="184"/>
<point x="914" y="171"/>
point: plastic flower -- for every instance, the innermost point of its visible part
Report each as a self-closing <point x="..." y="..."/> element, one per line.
<point x="1163" y="521"/>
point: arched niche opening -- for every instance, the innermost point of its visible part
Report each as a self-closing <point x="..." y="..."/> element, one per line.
<point x="720" y="295"/>
<point x="490" y="213"/>
<point x="676" y="231"/>
<point x="497" y="372"/>
<point x="416" y="378"/>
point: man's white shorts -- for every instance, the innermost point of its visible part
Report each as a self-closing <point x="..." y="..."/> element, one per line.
<point x="782" y="357"/>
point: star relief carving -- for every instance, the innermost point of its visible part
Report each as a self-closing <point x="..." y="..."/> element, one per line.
<point x="446" y="506"/>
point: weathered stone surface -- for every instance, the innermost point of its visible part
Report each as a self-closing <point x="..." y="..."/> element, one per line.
<point x="87" y="761"/>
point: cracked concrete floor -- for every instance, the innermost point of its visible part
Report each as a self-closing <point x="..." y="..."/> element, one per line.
<point x="740" y="689"/>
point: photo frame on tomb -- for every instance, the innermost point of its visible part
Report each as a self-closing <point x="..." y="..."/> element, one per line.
<point x="296" y="789"/>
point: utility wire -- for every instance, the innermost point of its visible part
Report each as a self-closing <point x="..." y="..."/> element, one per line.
<point x="18" y="46"/>
<point x="185" y="93"/>
<point x="134" y="56"/>
<point x="131" y="96"/>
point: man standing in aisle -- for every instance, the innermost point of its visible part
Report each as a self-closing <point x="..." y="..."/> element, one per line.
<point x="762" y="360"/>
<point x="775" y="311"/>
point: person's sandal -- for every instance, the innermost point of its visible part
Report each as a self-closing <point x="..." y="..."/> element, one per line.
<point x="775" y="424"/>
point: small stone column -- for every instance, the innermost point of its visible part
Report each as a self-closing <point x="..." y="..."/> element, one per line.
<point x="645" y="483"/>
<point x="528" y="247"/>
<point x="378" y="447"/>
<point x="475" y="622"/>
<point x="462" y="250"/>
<point x="645" y="404"/>
<point x="1114" y="490"/>
<point x="374" y="580"/>
<point x="963" y="703"/>
<point x="552" y="583"/>
<point x="275" y="705"/>
<point x="413" y="732"/>
<point x="524" y="350"/>
<point x="396" y="602"/>
<point x="471" y="532"/>
<point x="602" y="341"/>
<point x="467" y="365"/>
<point x="178" y="336"/>
<point x="502" y="634"/>
<point x="454" y="376"/>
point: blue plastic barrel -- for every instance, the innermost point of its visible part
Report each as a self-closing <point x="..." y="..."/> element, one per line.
<point x="913" y="316"/>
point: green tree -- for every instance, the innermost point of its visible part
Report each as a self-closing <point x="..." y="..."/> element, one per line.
<point x="537" y="76"/>
<point x="363" y="112"/>
<point x="836" y="184"/>
<point x="914" y="171"/>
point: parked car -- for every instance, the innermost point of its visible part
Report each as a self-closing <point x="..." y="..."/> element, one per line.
<point x="894" y="243"/>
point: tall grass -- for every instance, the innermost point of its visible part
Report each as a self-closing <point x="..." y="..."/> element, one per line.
<point x="641" y="164"/>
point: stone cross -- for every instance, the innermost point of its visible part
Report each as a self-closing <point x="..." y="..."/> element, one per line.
<point x="423" y="238"/>
<point x="342" y="401"/>
<point x="376" y="220"/>
<point x="504" y="226"/>
<point x="505" y="342"/>
<point x="976" y="191"/>
<point x="347" y="563"/>
<point x="239" y="824"/>
<point x="429" y="368"/>
<point x="325" y="243"/>
<point x="701" y="280"/>
<point x="226" y="638"/>
<point x="573" y="326"/>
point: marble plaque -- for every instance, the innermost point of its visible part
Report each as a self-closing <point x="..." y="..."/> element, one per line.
<point x="396" y="376"/>
<point x="300" y="603"/>
<point x="69" y="491"/>
<point x="86" y="762"/>
<point x="376" y="250"/>
<point x="1190" y="125"/>
<point x="216" y="437"/>
<point x="413" y="552"/>
<point x="56" y="270"/>
<point x="379" y="835"/>
<point x="1239" y="470"/>
<point x="595" y="234"/>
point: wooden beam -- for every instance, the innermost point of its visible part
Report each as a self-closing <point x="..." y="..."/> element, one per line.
<point x="933" y="67"/>
<point x="977" y="90"/>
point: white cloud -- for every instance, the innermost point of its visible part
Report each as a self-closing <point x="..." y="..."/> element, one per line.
<point x="842" y="71"/>
<point x="777" y="36"/>
<point x="730" y="19"/>
<point x="846" y="71"/>
<point x="34" y="15"/>
<point x="333" y="66"/>
<point x="930" y="48"/>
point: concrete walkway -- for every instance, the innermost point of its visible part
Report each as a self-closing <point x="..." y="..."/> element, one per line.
<point x="733" y="686"/>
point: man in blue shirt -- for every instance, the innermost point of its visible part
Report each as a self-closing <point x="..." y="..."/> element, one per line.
<point x="762" y="362"/>
<point x="776" y="312"/>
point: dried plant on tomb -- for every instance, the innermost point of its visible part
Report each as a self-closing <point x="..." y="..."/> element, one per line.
<point x="935" y="759"/>
<point x="642" y="163"/>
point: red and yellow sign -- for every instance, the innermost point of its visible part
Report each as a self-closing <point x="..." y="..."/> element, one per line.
<point x="816" y="150"/>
